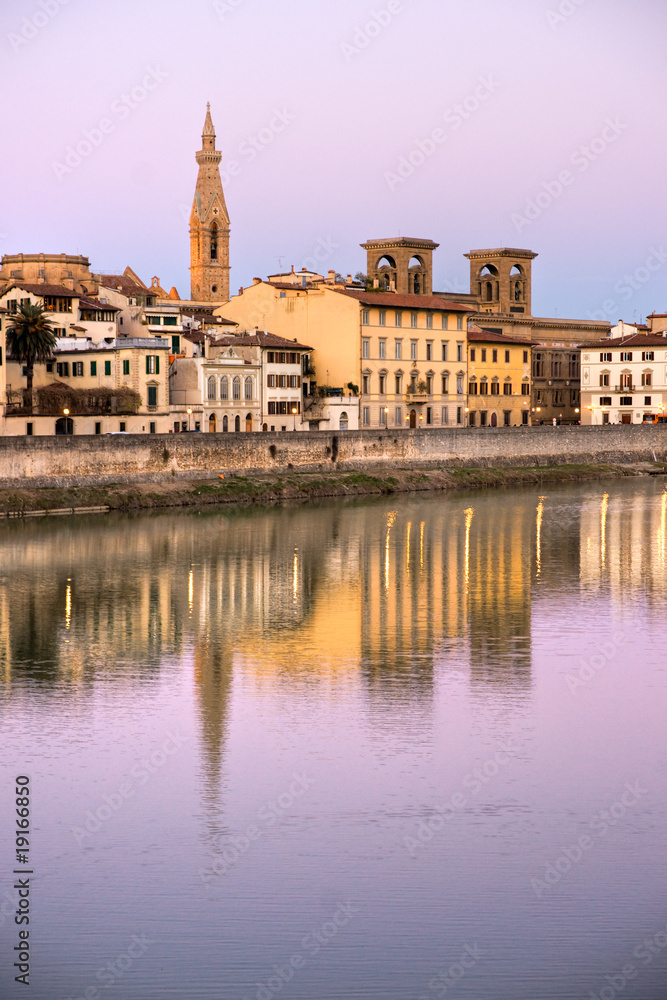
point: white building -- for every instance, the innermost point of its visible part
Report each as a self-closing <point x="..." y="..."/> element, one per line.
<point x="624" y="380"/>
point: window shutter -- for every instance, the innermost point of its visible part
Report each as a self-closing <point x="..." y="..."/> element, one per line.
<point x="148" y="364"/>
<point x="157" y="364"/>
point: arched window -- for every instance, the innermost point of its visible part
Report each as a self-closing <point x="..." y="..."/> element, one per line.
<point x="211" y="387"/>
<point x="237" y="424"/>
<point x="225" y="424"/>
<point x="224" y="387"/>
<point x="248" y="388"/>
<point x="214" y="241"/>
<point x="248" y="423"/>
<point x="489" y="292"/>
<point x="236" y="388"/>
<point x="212" y="424"/>
<point x="517" y="291"/>
<point x="344" y="422"/>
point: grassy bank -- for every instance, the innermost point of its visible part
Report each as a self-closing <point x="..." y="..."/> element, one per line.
<point x="271" y="488"/>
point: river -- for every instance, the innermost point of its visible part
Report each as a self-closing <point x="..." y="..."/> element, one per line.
<point x="399" y="748"/>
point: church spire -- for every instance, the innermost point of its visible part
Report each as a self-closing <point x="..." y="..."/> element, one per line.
<point x="209" y="224"/>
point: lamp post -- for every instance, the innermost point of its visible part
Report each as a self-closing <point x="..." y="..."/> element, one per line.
<point x="466" y="416"/>
<point x="189" y="413"/>
<point x="386" y="411"/>
<point x="294" y="416"/>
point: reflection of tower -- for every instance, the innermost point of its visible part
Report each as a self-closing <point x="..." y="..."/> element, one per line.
<point x="402" y="265"/>
<point x="209" y="225"/>
<point x="213" y="677"/>
<point x="501" y="279"/>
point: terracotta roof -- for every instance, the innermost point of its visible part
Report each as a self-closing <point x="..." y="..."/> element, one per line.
<point x="479" y="335"/>
<point x="217" y="320"/>
<point x="87" y="303"/>
<point x="196" y="336"/>
<point x="57" y="290"/>
<point x="634" y="340"/>
<point x="394" y="301"/>
<point x="294" y="286"/>
<point x="121" y="283"/>
<point x="261" y="339"/>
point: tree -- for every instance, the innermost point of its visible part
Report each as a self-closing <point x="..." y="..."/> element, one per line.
<point x="30" y="339"/>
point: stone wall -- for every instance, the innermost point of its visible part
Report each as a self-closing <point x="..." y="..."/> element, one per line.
<point x="64" y="461"/>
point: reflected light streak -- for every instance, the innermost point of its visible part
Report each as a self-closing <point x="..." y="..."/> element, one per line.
<point x="538" y="540"/>
<point x="603" y="527"/>
<point x="663" y="527"/>
<point x="421" y="544"/>
<point x="391" y="517"/>
<point x="295" y="578"/>
<point x="407" y="547"/>
<point x="191" y="590"/>
<point x="469" y="513"/>
<point x="68" y="605"/>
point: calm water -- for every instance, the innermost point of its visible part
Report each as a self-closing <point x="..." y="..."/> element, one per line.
<point x="407" y="748"/>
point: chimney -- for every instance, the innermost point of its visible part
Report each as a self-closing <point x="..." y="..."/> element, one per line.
<point x="332" y="276"/>
<point x="241" y="290"/>
<point x="292" y="268"/>
<point x="257" y="281"/>
<point x="349" y="279"/>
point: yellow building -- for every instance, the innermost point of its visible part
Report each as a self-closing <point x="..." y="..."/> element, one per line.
<point x="498" y="379"/>
<point x="405" y="352"/>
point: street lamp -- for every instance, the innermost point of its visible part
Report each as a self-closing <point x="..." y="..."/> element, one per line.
<point x="189" y="412"/>
<point x="386" y="418"/>
<point x="294" y="415"/>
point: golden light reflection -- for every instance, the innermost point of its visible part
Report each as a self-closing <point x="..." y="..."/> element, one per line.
<point x="469" y="513"/>
<point x="68" y="604"/>
<point x="538" y="539"/>
<point x="391" y="517"/>
<point x="421" y="544"/>
<point x="191" y="590"/>
<point x="407" y="546"/>
<point x="295" y="578"/>
<point x="603" y="527"/>
<point x="663" y="527"/>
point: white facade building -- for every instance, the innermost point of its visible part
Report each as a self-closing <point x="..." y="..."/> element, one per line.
<point x="624" y="380"/>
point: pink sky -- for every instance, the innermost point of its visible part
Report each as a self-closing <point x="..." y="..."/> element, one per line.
<point x="340" y="94"/>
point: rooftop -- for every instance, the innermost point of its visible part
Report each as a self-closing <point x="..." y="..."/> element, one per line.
<point x="395" y="301"/>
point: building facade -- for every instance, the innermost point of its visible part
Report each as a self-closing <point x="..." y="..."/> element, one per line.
<point x="498" y="380"/>
<point x="624" y="380"/>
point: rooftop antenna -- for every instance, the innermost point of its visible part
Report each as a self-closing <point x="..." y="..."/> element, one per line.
<point x="280" y="264"/>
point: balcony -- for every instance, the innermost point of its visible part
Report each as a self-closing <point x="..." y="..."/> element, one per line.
<point x="627" y="389"/>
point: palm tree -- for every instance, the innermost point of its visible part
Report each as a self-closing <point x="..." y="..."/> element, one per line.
<point x="30" y="339"/>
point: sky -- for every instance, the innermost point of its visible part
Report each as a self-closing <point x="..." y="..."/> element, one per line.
<point x="536" y="124"/>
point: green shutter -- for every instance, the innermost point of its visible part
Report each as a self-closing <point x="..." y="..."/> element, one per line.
<point x="93" y="367"/>
<point x="157" y="364"/>
<point x="148" y="364"/>
<point x="107" y="368"/>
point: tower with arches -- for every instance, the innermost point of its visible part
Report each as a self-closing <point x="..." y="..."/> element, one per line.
<point x="401" y="265"/>
<point x="501" y="280"/>
<point x="209" y="225"/>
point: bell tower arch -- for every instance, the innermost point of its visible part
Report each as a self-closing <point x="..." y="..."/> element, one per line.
<point x="401" y="265"/>
<point x="502" y="280"/>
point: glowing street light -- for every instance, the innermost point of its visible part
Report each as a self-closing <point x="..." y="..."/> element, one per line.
<point x="294" y="412"/>
<point x="189" y="412"/>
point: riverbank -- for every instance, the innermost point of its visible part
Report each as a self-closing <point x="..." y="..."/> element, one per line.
<point x="268" y="488"/>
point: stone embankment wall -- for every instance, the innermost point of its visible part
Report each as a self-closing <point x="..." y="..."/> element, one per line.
<point x="66" y="461"/>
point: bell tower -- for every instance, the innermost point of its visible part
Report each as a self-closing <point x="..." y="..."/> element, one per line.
<point x="401" y="265"/>
<point x="502" y="280"/>
<point x="209" y="225"/>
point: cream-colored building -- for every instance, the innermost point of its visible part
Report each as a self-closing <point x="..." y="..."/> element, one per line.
<point x="624" y="380"/>
<point x="3" y="367"/>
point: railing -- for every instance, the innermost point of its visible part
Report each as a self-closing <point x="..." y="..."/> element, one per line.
<point x="627" y="388"/>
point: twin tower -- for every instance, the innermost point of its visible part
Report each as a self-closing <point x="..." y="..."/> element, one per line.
<point x="500" y="280"/>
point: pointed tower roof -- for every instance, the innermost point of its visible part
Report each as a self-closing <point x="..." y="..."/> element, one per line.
<point x="208" y="123"/>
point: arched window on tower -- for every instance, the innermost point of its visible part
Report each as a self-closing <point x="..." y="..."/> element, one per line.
<point x="489" y="291"/>
<point x="517" y="291"/>
<point x="214" y="241"/>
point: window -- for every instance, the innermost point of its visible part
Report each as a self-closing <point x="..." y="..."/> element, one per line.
<point x="429" y="321"/>
<point x="605" y="400"/>
<point x="271" y="381"/>
<point x="459" y="322"/>
<point x="445" y="345"/>
<point x="28" y="429"/>
<point x="494" y="356"/>
<point x="211" y="388"/>
<point x="647" y="378"/>
<point x="626" y="401"/>
<point x="525" y="357"/>
<point x="524" y="418"/>
<point x="556" y="368"/>
<point x="93" y="367"/>
<point x="483" y="387"/>
<point x="62" y="368"/>
<point x="107" y="368"/>
<point x="605" y="357"/>
<point x="399" y="416"/>
<point x="398" y="349"/>
<point x="170" y="321"/>
<point x="472" y="388"/>
<point x="270" y="357"/>
<point x="121" y="426"/>
<point x="507" y="359"/>
<point x="429" y="414"/>
<point x="558" y="397"/>
<point x="413" y="350"/>
<point x="445" y="415"/>
<point x="482" y="418"/>
<point x="366" y="416"/>
<point x="77" y="368"/>
<point x="236" y="387"/>
<point x="294" y="381"/>
<point x="383" y="349"/>
<point x="648" y="355"/>
<point x="484" y="354"/>
<point x="152" y="394"/>
<point x="459" y="352"/>
<point x="525" y="388"/>
<point x="151" y="427"/>
<point x="473" y="354"/>
<point x="398" y="319"/>
<point x="126" y="367"/>
<point x="445" y="321"/>
<point x="399" y="384"/>
<point x="429" y="351"/>
<point x="382" y="317"/>
<point x="98" y="428"/>
<point x="495" y="387"/>
<point x="647" y="400"/>
<point x="445" y="383"/>
<point x="413" y="320"/>
<point x="365" y="384"/>
<point x="507" y="416"/>
<point x="248" y="393"/>
<point x="538" y="366"/>
<point x="459" y="385"/>
<point x="224" y="387"/>
<point x="604" y="378"/>
<point x="626" y="355"/>
<point x="573" y="366"/>
<point x="383" y="385"/>
<point x="383" y="417"/>
<point x="507" y="389"/>
<point x="365" y="316"/>
<point x="152" y="364"/>
<point x="626" y="380"/>
<point x="154" y="320"/>
<point x="429" y="385"/>
<point x="175" y="343"/>
<point x="49" y="364"/>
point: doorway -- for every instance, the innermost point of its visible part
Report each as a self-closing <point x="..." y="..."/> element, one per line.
<point x="212" y="424"/>
<point x="413" y="419"/>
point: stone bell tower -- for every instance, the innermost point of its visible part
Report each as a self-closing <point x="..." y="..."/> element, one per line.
<point x="401" y="265"/>
<point x="502" y="280"/>
<point x="209" y="225"/>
